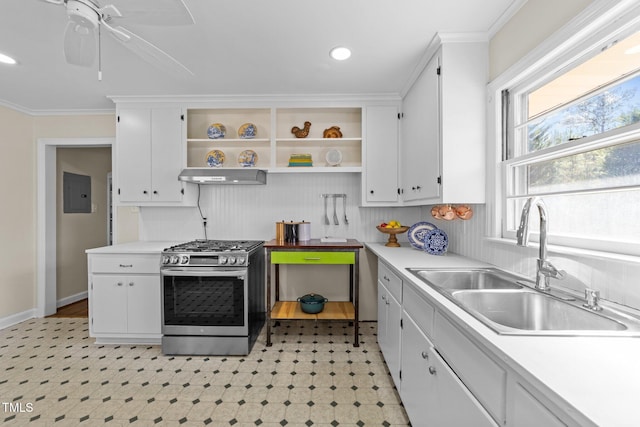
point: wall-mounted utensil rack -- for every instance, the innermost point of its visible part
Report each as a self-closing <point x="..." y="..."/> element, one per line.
<point x="335" y="196"/>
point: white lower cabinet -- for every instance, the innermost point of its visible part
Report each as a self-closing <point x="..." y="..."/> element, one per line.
<point x="527" y="410"/>
<point x="431" y="392"/>
<point x="126" y="304"/>
<point x="389" y="314"/>
<point x="125" y="298"/>
<point x="455" y="405"/>
<point x="446" y="377"/>
<point x="419" y="390"/>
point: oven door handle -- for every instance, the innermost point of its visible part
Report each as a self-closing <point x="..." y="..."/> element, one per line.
<point x="201" y="273"/>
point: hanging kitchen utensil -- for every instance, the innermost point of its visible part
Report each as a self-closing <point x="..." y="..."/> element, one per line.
<point x="335" y="212"/>
<point x="344" y="208"/>
<point x="326" y="216"/>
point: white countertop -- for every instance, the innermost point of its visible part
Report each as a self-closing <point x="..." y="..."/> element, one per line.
<point x="597" y="376"/>
<point x="149" y="247"/>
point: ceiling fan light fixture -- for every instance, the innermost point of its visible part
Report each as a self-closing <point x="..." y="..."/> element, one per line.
<point x="83" y="14"/>
<point x="340" y="53"/>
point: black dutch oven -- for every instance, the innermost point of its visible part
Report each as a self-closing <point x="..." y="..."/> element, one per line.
<point x="312" y="303"/>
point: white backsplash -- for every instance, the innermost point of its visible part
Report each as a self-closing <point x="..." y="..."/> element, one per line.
<point x="251" y="211"/>
<point x="617" y="279"/>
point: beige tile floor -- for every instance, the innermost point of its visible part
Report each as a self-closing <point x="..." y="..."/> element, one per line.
<point x="53" y="374"/>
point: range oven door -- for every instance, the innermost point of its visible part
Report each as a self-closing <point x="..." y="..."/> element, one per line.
<point x="204" y="301"/>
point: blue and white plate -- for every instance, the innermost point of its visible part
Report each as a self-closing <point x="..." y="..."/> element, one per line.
<point x="248" y="158"/>
<point x="436" y="242"/>
<point x="417" y="232"/>
<point x="215" y="158"/>
<point x="248" y="130"/>
<point x="216" y="130"/>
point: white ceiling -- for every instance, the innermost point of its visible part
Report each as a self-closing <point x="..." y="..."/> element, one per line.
<point x="237" y="47"/>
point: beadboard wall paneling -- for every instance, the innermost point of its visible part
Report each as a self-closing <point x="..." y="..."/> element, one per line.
<point x="251" y="211"/>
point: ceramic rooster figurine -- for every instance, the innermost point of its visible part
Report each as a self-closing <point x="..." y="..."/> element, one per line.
<point x="301" y="133"/>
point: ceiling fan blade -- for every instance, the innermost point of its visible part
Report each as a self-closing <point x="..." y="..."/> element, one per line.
<point x="79" y="44"/>
<point x="54" y="1"/>
<point x="152" y="12"/>
<point x="149" y="52"/>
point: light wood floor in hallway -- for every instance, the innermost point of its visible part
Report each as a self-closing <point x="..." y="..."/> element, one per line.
<point x="76" y="309"/>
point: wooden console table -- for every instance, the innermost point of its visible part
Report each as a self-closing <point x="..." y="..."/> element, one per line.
<point x="314" y="252"/>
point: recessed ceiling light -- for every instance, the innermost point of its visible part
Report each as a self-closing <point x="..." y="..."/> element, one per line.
<point x="5" y="59"/>
<point x="633" y="50"/>
<point x="340" y="53"/>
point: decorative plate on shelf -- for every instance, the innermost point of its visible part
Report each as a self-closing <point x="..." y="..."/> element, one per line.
<point x="436" y="242"/>
<point x="417" y="232"/>
<point x="215" y="158"/>
<point x="334" y="157"/>
<point x="216" y="130"/>
<point x="247" y="158"/>
<point x="248" y="130"/>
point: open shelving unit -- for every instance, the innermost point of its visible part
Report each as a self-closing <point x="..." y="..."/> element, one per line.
<point x="275" y="143"/>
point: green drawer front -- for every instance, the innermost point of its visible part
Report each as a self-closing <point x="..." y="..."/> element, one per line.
<point x="304" y="257"/>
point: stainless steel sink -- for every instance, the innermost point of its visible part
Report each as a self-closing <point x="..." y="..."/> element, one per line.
<point x="486" y="278"/>
<point x="508" y="304"/>
<point x="534" y="311"/>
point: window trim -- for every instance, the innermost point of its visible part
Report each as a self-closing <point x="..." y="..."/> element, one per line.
<point x="600" y="23"/>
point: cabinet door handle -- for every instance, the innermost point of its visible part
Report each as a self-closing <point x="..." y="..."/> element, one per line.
<point x="371" y="191"/>
<point x="126" y="265"/>
<point x="432" y="370"/>
<point x="130" y="283"/>
<point x="384" y="297"/>
<point x="425" y="355"/>
<point x="155" y="192"/>
<point x="119" y="283"/>
<point x="145" y="192"/>
<point x="385" y="278"/>
<point x="312" y="259"/>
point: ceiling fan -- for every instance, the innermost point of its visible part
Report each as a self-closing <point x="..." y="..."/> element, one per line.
<point x="87" y="18"/>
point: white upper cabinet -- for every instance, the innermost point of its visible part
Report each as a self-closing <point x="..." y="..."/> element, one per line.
<point x="443" y="124"/>
<point x="380" y="151"/>
<point x="420" y="154"/>
<point x="149" y="155"/>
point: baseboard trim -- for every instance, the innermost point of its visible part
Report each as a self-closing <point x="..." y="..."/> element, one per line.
<point x="13" y="319"/>
<point x="71" y="299"/>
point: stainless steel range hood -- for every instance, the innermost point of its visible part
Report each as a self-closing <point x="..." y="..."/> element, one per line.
<point x="223" y="176"/>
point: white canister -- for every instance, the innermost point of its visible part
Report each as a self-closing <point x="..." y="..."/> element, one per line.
<point x="304" y="231"/>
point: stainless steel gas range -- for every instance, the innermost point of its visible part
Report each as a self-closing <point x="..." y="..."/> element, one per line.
<point x="213" y="299"/>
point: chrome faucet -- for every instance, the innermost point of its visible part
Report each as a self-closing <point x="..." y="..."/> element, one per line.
<point x="545" y="269"/>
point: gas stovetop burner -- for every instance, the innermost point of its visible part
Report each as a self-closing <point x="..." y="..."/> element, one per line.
<point x="215" y="246"/>
<point x="210" y="253"/>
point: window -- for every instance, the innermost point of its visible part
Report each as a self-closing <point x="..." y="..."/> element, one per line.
<point x="574" y="140"/>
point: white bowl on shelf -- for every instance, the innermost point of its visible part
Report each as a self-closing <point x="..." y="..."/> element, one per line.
<point x="334" y="157"/>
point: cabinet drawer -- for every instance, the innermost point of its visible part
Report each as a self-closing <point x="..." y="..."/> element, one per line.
<point x="390" y="281"/>
<point x="126" y="264"/>
<point x="481" y="375"/>
<point x="419" y="309"/>
<point x="310" y="257"/>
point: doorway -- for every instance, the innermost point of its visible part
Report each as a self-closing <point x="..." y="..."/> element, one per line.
<point x="46" y="288"/>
